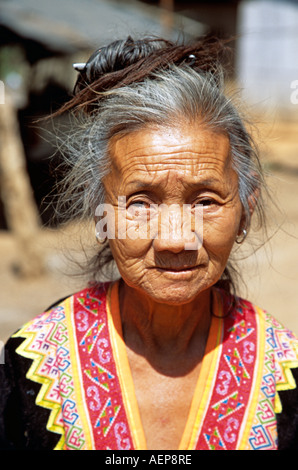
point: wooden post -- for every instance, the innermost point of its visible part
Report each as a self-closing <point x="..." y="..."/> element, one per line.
<point x="16" y="193"/>
<point x="167" y="20"/>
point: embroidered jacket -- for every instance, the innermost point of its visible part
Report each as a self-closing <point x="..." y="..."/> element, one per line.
<point x="66" y="381"/>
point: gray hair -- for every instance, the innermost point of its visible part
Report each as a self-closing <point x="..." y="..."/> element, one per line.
<point x="166" y="98"/>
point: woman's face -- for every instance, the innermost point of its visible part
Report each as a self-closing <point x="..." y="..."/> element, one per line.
<point x="176" y="210"/>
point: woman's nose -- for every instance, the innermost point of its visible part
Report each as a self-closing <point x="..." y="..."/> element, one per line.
<point x="173" y="245"/>
<point x="174" y="233"/>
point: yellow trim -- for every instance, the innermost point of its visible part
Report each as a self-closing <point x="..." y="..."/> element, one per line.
<point x="203" y="386"/>
<point x="205" y="382"/>
<point x="290" y="384"/>
<point x="123" y="368"/>
<point x="77" y="376"/>
<point x="45" y="382"/>
<point x="277" y="404"/>
<point x="256" y="384"/>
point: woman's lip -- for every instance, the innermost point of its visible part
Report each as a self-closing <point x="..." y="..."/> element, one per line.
<point x="182" y="273"/>
<point x="177" y="269"/>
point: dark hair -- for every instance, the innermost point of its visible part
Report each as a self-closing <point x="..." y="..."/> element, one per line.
<point x="128" y="61"/>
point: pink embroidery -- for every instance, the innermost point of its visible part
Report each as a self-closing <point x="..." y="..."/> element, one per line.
<point x="102" y="388"/>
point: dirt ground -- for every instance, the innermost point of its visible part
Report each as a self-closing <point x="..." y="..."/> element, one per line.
<point x="270" y="273"/>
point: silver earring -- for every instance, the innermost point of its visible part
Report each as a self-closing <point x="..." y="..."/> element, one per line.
<point x="100" y="241"/>
<point x="240" y="238"/>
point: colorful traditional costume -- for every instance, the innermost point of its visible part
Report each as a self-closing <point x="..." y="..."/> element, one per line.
<point x="66" y="381"/>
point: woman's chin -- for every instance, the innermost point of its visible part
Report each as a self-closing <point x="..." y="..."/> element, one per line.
<point x="176" y="293"/>
<point x="171" y="288"/>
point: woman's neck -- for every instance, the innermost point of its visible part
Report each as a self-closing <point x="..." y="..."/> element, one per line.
<point x="165" y="333"/>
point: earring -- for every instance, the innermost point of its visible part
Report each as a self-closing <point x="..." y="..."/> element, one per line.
<point x="100" y="241"/>
<point x="240" y="239"/>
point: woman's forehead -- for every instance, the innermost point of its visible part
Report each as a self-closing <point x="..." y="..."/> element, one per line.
<point x="186" y="150"/>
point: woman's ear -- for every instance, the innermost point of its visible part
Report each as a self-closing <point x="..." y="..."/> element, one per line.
<point x="253" y="200"/>
<point x="245" y="219"/>
<point x="254" y="194"/>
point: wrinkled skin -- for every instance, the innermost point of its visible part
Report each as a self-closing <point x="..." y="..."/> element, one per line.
<point x="189" y="166"/>
<point x="165" y="289"/>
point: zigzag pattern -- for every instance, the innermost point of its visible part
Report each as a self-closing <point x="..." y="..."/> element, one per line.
<point x="287" y="359"/>
<point x="281" y="357"/>
<point x="47" y="397"/>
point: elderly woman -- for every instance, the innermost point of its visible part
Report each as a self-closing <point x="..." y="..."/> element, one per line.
<point x="166" y="356"/>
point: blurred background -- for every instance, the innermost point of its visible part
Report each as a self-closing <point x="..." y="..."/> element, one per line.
<point x="39" y="42"/>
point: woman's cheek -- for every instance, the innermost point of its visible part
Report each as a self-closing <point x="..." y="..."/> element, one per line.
<point x="128" y="254"/>
<point x="130" y="269"/>
<point x="219" y="232"/>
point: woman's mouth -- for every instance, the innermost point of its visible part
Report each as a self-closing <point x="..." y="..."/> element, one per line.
<point x="176" y="268"/>
<point x="175" y="272"/>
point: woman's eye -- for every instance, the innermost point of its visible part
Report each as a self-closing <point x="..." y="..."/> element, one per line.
<point x="138" y="204"/>
<point x="136" y="208"/>
<point x="207" y="202"/>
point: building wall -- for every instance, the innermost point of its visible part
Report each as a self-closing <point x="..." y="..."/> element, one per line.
<point x="267" y="52"/>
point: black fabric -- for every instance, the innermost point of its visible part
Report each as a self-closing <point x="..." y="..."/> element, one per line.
<point x="22" y="423"/>
<point x="287" y="420"/>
